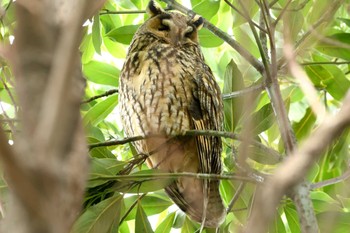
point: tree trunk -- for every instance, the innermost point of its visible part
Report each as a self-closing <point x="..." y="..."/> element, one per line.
<point x="47" y="166"/>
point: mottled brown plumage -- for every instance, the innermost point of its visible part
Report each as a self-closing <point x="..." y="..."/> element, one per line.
<point x="166" y="88"/>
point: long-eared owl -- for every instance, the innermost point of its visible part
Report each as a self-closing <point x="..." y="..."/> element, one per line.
<point x="166" y="89"/>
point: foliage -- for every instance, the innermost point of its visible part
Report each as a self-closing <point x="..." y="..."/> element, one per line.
<point x="115" y="202"/>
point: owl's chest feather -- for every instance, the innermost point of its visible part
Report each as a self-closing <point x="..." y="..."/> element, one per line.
<point x="161" y="93"/>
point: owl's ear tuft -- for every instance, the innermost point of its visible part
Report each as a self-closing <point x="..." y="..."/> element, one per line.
<point x="154" y="8"/>
<point x="197" y="21"/>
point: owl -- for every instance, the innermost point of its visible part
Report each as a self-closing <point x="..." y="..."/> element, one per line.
<point x="166" y="89"/>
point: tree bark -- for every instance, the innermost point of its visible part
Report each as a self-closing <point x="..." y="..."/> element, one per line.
<point x="47" y="166"/>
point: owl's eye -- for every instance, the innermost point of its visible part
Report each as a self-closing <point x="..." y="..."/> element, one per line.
<point x="165" y="21"/>
<point x="189" y="31"/>
<point x="163" y="27"/>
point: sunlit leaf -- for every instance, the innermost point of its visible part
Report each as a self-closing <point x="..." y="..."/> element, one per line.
<point x="101" y="110"/>
<point x="208" y="39"/>
<point x="96" y="33"/>
<point x="141" y="222"/>
<point x="188" y="226"/>
<point x="101" y="73"/>
<point x="277" y="226"/>
<point x="293" y="219"/>
<point x="152" y="204"/>
<point x="207" y="9"/>
<point x="123" y="34"/>
<point x="166" y="224"/>
<point x="87" y="49"/>
<point x="346" y="21"/>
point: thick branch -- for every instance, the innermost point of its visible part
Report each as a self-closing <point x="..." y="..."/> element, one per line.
<point x="297" y="167"/>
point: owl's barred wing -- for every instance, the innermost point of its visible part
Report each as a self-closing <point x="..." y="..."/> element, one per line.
<point x="206" y="111"/>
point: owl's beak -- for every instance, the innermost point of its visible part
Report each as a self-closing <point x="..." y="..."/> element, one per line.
<point x="176" y="37"/>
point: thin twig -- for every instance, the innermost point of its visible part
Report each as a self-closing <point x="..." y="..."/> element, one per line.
<point x="108" y="12"/>
<point x="107" y="93"/>
<point x="245" y="16"/>
<point x="331" y="181"/>
<point x="235" y="94"/>
<point x="324" y="63"/>
<point x="235" y="197"/>
<point x="158" y="176"/>
<point x="223" y="134"/>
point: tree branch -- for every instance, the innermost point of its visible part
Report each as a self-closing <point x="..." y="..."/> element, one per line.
<point x="297" y="165"/>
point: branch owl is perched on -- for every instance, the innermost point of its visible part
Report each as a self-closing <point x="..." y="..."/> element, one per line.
<point x="166" y="89"/>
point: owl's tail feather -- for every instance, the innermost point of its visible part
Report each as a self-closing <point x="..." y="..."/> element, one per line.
<point x="194" y="203"/>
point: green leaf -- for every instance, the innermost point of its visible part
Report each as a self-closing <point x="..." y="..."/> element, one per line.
<point x="189" y="226"/>
<point x="114" y="48"/>
<point x="123" y="34"/>
<point x="233" y="108"/>
<point x="249" y="5"/>
<point x="329" y="77"/>
<point x="208" y="39"/>
<point x="323" y="202"/>
<point x="264" y="155"/>
<point x="101" y="73"/>
<point x="87" y="49"/>
<point x="332" y="46"/>
<point x="305" y="125"/>
<point x="96" y="33"/>
<point x="101" y="168"/>
<point x="246" y="40"/>
<point x="207" y="9"/>
<point x="263" y="119"/>
<point x="100" y="218"/>
<point x="148" y="182"/>
<point x="166" y="224"/>
<point x="346" y="21"/>
<point x="101" y="110"/>
<point x="110" y="21"/>
<point x="295" y="20"/>
<point x="99" y="152"/>
<point x="152" y="204"/>
<point x="277" y="226"/>
<point x="142" y="224"/>
<point x="292" y="219"/>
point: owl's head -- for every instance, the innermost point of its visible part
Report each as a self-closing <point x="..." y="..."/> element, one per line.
<point x="173" y="27"/>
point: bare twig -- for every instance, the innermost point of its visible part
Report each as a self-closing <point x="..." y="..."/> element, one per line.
<point x="107" y="93"/>
<point x="253" y="88"/>
<point x="188" y="133"/>
<point x="157" y="176"/>
<point x="331" y="181"/>
<point x="325" y="63"/>
<point x="235" y="197"/>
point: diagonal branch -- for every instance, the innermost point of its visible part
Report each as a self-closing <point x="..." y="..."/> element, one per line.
<point x="297" y="165"/>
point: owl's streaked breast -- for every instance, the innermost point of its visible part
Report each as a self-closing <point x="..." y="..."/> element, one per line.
<point x="161" y="78"/>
